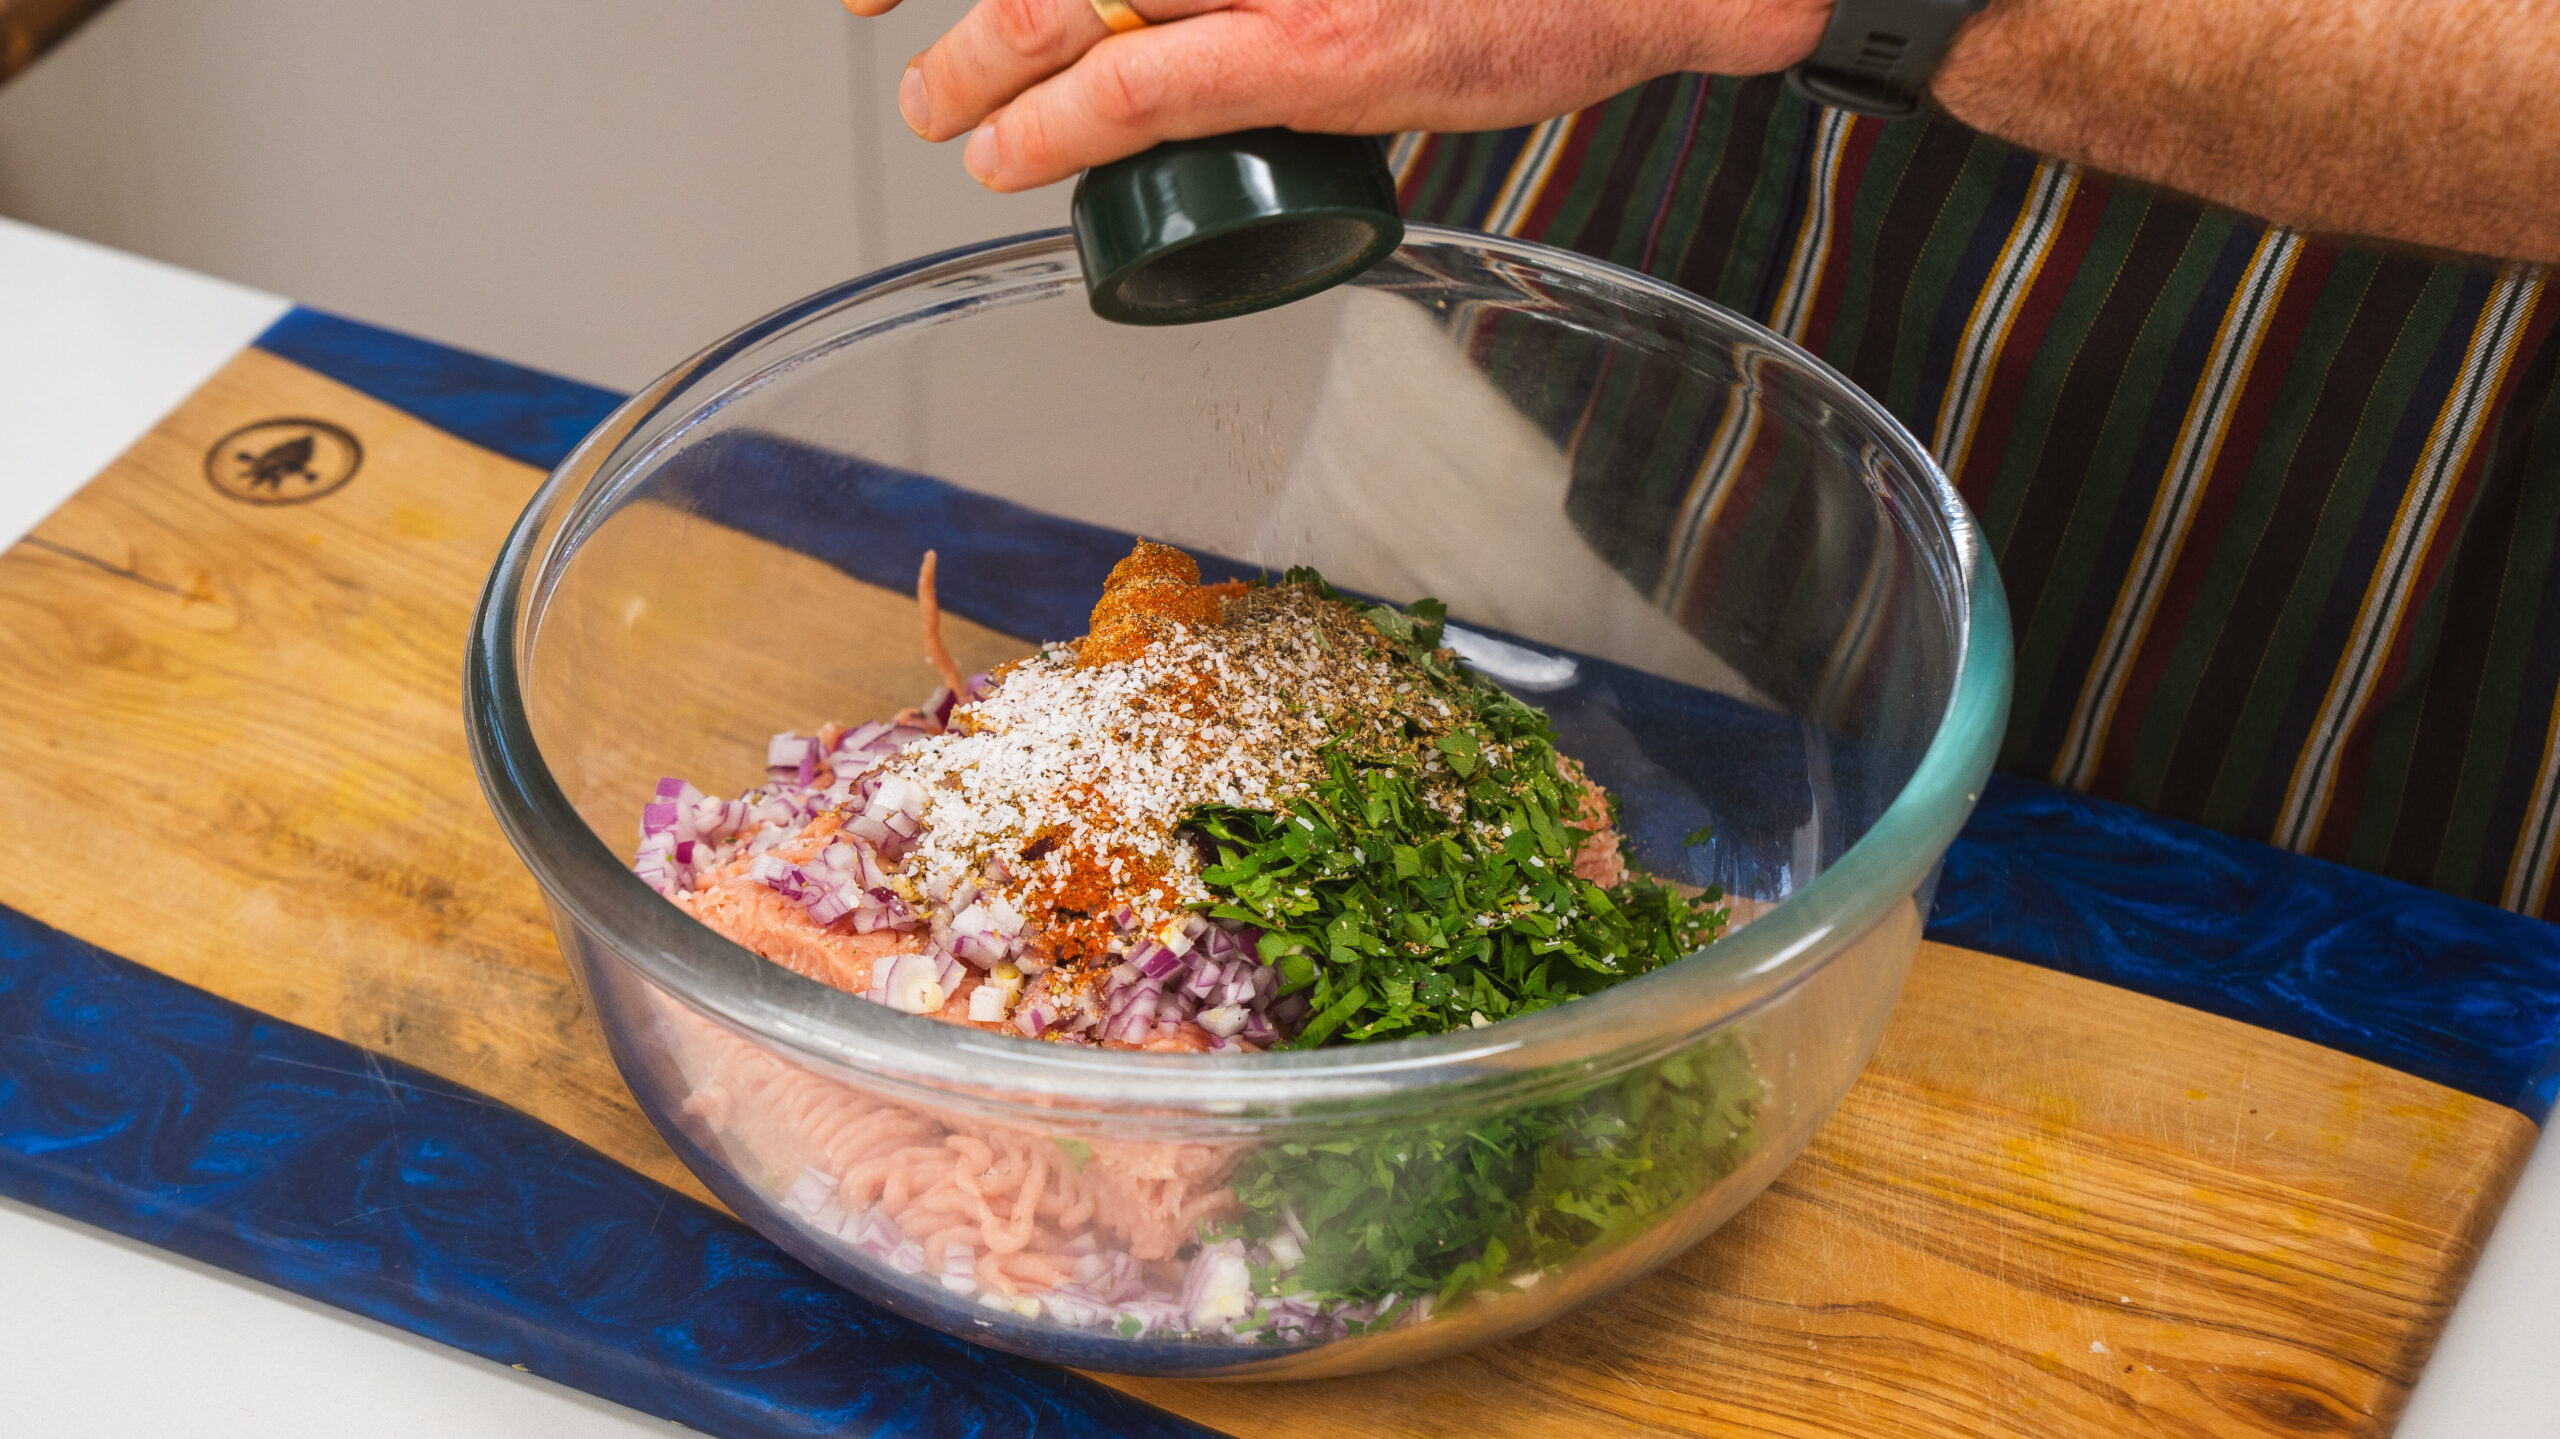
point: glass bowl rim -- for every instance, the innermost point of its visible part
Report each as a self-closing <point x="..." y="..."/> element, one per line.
<point x="1585" y="1039"/>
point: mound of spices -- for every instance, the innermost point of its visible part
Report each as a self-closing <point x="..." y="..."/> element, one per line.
<point x="1065" y="787"/>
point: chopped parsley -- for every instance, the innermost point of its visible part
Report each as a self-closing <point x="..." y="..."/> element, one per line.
<point x="1446" y="1208"/>
<point x="1428" y="889"/>
<point x="1419" y="890"/>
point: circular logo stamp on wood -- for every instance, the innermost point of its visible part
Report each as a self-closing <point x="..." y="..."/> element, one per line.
<point x="283" y="462"/>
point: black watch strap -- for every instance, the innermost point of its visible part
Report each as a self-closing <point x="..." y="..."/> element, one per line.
<point x="1877" y="56"/>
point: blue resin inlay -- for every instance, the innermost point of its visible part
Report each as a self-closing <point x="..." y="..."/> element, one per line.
<point x="2444" y="988"/>
<point x="525" y="415"/>
<point x="148" y="1107"/>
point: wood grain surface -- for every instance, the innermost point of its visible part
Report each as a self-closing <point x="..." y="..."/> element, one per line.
<point x="231" y="748"/>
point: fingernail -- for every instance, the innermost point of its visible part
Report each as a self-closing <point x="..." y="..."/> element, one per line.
<point x="913" y="104"/>
<point x="982" y="156"/>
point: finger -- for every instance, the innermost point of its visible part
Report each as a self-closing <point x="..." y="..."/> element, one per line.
<point x="1001" y="48"/>
<point x="1205" y="76"/>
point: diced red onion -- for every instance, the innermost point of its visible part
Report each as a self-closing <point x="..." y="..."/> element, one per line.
<point x="1111" y="1273"/>
<point x="702" y="816"/>
<point x="781" y="876"/>
<point x="812" y="1189"/>
<point x="960" y="1269"/>
<point x="1072" y="1305"/>
<point x="860" y="737"/>
<point x="650" y="863"/>
<point x="873" y="875"/>
<point x="1150" y="1315"/>
<point x="912" y="981"/>
<point x="832" y="904"/>
<point x="1217" y="1290"/>
<point x="876" y="1236"/>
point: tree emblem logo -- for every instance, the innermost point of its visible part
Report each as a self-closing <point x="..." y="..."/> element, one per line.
<point x="283" y="462"/>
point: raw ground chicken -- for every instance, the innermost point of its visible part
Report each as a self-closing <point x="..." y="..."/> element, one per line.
<point x="1011" y="856"/>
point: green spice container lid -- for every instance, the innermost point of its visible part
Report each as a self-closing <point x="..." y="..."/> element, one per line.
<point x="1226" y="225"/>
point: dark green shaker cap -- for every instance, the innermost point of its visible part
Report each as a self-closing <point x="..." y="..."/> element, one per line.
<point x="1230" y="224"/>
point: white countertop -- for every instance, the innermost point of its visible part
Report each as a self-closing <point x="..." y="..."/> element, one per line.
<point x="95" y="347"/>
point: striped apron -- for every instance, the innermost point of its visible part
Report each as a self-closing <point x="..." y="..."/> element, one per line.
<point x="2277" y="515"/>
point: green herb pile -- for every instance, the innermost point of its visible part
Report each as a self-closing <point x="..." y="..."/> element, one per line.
<point x="1443" y="1210"/>
<point x="1397" y="916"/>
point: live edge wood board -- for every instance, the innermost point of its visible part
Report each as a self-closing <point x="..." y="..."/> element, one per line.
<point x="231" y="748"/>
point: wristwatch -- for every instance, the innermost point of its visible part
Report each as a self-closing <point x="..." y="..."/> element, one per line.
<point x="1877" y="55"/>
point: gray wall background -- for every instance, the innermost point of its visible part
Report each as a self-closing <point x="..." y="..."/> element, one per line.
<point x="598" y="187"/>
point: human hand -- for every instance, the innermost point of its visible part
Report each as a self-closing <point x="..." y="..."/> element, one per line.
<point x="1044" y="89"/>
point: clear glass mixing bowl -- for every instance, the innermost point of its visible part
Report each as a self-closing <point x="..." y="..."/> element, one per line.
<point x="1744" y="593"/>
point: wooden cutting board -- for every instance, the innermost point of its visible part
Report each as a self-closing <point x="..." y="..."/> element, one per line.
<point x="231" y="749"/>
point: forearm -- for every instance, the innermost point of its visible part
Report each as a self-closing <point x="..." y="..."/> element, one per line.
<point x="2429" y="122"/>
